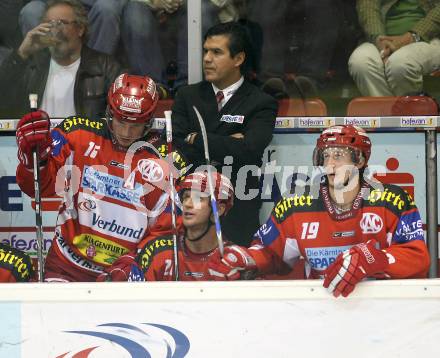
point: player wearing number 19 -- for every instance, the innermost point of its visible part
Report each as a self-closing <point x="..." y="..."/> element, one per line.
<point x="110" y="199"/>
<point x="348" y="230"/>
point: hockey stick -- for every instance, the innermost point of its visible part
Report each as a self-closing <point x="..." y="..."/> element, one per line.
<point x="169" y="135"/>
<point x="218" y="228"/>
<point x="37" y="188"/>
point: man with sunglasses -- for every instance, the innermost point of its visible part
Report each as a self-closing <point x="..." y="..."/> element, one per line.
<point x="54" y="62"/>
<point x="112" y="180"/>
<point x="346" y="227"/>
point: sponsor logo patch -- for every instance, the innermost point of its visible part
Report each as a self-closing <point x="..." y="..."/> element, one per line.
<point x="71" y="122"/>
<point x="110" y="219"/>
<point x="153" y="248"/>
<point x="286" y="204"/>
<point x="409" y="228"/>
<point x="110" y="186"/>
<point x="267" y="232"/>
<point x="104" y="251"/>
<point x="341" y="234"/>
<point x="229" y="118"/>
<point x="131" y="104"/>
<point x="58" y="141"/>
<point x="321" y="257"/>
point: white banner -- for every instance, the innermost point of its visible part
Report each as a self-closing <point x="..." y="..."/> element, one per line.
<point x="387" y="319"/>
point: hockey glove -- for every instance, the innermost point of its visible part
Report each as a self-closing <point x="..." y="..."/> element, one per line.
<point x="33" y="131"/>
<point x="123" y="269"/>
<point x="237" y="263"/>
<point x="352" y="266"/>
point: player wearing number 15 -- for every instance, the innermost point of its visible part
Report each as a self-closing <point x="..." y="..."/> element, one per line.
<point x="113" y="190"/>
<point x="348" y="229"/>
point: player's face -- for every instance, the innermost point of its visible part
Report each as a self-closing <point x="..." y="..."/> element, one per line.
<point x="339" y="166"/>
<point x="127" y="133"/>
<point x="196" y="208"/>
<point x="68" y="31"/>
<point x="219" y="67"/>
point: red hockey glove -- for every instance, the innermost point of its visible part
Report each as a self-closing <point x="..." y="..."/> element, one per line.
<point x="237" y="263"/>
<point x="33" y="130"/>
<point x="121" y="270"/>
<point x="352" y="266"/>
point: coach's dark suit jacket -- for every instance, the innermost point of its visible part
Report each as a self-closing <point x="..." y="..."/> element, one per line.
<point x="258" y="111"/>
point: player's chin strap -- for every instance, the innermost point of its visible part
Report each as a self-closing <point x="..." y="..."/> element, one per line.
<point x="201" y="235"/>
<point x="109" y="119"/>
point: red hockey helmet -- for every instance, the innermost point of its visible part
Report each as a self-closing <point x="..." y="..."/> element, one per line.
<point x="347" y="136"/>
<point x="132" y="98"/>
<point x="223" y="189"/>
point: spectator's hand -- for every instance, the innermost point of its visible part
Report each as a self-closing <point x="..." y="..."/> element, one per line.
<point x="385" y="48"/>
<point x="352" y="266"/>
<point x="399" y="41"/>
<point x="169" y="6"/>
<point x="33" y="130"/>
<point x="33" y="40"/>
<point x="120" y="270"/>
<point x="237" y="135"/>
<point x="237" y="263"/>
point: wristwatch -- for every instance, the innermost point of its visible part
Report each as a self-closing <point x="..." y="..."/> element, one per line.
<point x="189" y="137"/>
<point x="416" y="37"/>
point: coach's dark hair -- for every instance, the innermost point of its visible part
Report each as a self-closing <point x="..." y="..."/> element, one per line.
<point x="79" y="11"/>
<point x="239" y="40"/>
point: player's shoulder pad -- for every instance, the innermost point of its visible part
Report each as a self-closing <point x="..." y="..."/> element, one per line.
<point x="152" y="248"/>
<point x="17" y="262"/>
<point x="74" y="123"/>
<point x="300" y="201"/>
<point x="390" y="196"/>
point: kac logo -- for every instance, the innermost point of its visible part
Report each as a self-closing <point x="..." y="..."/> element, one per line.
<point x="371" y="223"/>
<point x="150" y="170"/>
<point x="139" y="341"/>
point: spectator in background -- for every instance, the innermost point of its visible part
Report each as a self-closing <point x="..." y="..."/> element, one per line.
<point x="300" y="37"/>
<point x="104" y="19"/>
<point x="53" y="62"/>
<point x="10" y="37"/>
<point x="155" y="33"/>
<point x="239" y="119"/>
<point x="401" y="46"/>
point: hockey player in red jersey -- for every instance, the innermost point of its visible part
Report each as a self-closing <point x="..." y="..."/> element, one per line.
<point x="112" y="181"/>
<point x="347" y="229"/>
<point x="197" y="240"/>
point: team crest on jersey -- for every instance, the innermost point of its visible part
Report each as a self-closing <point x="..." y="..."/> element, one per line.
<point x="371" y="223"/>
<point x="91" y="251"/>
<point x="151" y="171"/>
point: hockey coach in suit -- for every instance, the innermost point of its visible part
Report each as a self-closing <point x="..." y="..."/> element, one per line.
<point x="239" y="120"/>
